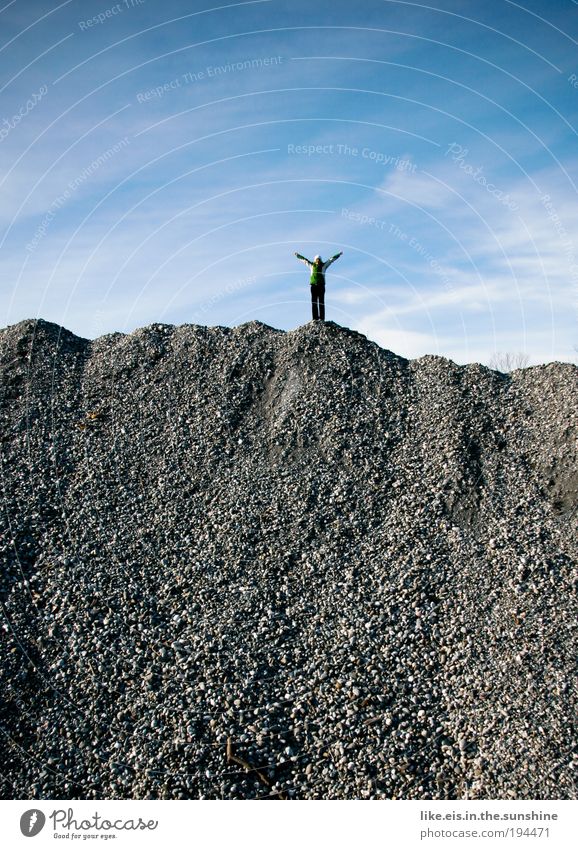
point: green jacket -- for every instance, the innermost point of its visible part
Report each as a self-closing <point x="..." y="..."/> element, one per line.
<point x="318" y="271"/>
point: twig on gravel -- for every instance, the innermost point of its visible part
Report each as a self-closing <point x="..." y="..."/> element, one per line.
<point x="235" y="759"/>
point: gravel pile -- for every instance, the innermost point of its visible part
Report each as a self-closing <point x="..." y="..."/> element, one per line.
<point x="244" y="563"/>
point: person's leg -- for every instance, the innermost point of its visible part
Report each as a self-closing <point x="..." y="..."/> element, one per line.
<point x="314" y="298"/>
<point x="322" y="303"/>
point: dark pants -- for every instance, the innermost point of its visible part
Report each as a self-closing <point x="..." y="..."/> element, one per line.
<point x="318" y="301"/>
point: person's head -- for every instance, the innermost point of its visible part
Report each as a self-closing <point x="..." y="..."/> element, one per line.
<point x="317" y="260"/>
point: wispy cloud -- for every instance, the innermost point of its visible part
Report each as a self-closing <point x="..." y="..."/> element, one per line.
<point x="340" y="144"/>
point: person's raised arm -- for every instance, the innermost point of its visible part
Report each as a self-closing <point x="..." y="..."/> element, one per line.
<point x="304" y="259"/>
<point x="333" y="258"/>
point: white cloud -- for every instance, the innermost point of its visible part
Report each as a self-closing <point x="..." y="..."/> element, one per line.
<point x="418" y="188"/>
<point x="405" y="343"/>
<point x="541" y="345"/>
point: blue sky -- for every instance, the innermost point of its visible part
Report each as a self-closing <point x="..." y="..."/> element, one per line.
<point x="163" y="161"/>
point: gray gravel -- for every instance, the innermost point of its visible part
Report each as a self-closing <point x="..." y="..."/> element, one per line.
<point x="357" y="569"/>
